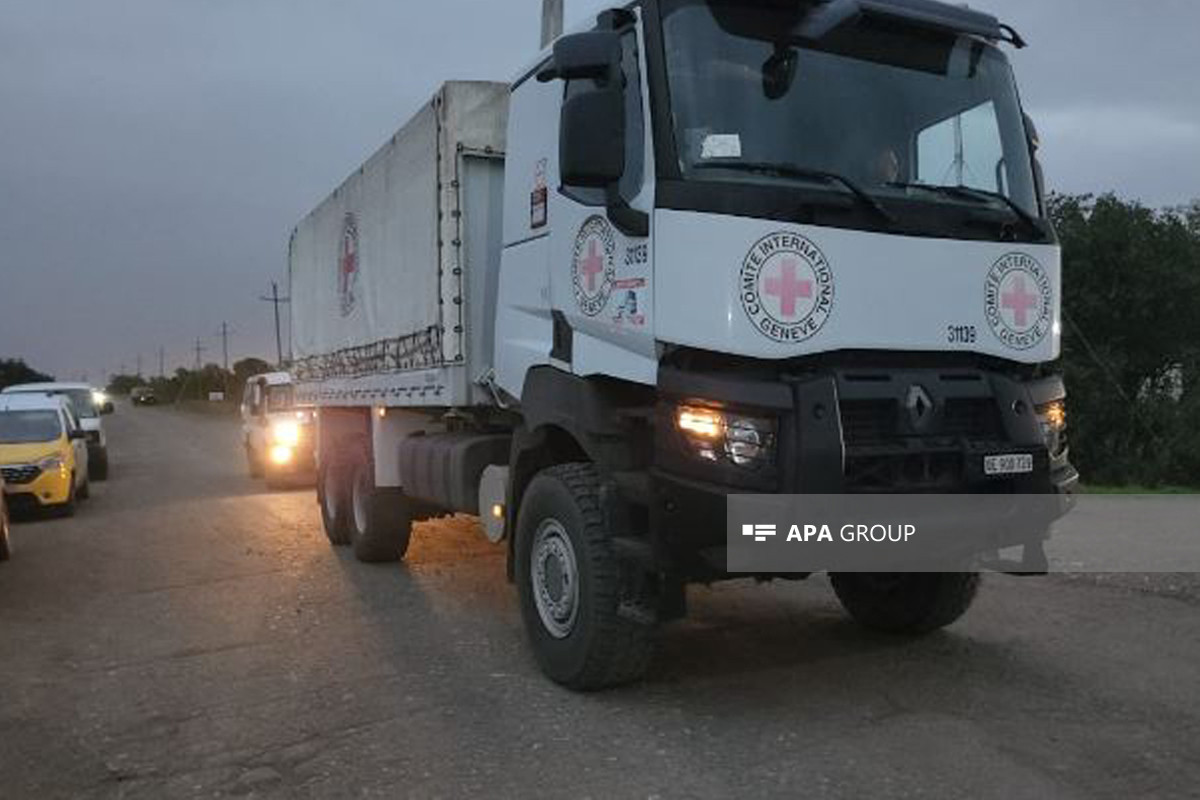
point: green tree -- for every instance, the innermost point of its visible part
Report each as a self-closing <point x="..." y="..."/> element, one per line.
<point x="14" y="371"/>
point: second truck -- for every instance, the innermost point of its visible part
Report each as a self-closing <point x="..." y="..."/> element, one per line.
<point x="697" y="249"/>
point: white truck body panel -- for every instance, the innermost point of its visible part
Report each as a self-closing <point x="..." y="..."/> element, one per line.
<point x="388" y="274"/>
<point x="885" y="292"/>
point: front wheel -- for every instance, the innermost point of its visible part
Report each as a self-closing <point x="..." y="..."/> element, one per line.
<point x="912" y="605"/>
<point x="5" y="540"/>
<point x="569" y="585"/>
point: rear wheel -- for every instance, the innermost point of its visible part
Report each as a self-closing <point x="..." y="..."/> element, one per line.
<point x="98" y="468"/>
<point x="333" y="497"/>
<point x="569" y="584"/>
<point x="911" y="604"/>
<point x="380" y="525"/>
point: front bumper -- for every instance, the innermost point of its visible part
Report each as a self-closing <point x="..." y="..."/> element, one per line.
<point x="850" y="431"/>
<point x="44" y="489"/>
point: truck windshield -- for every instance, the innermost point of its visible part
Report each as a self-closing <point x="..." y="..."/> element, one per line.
<point x="280" y="398"/>
<point x="29" y="427"/>
<point x="898" y="111"/>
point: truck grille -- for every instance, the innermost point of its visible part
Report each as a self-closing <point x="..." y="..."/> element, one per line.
<point x="879" y="421"/>
<point x="19" y="476"/>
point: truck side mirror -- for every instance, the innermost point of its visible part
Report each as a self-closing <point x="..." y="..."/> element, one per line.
<point x="591" y="150"/>
<point x="594" y="55"/>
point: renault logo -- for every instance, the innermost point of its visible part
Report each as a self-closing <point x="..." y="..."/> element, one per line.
<point x="920" y="406"/>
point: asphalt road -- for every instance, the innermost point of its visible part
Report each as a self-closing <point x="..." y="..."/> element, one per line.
<point x="191" y="634"/>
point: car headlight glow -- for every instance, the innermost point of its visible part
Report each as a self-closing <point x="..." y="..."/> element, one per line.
<point x="52" y="463"/>
<point x="281" y="454"/>
<point x="720" y="436"/>
<point x="287" y="433"/>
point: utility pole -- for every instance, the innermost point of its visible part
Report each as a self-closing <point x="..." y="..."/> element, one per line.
<point x="552" y="21"/>
<point x="199" y="352"/>
<point x="162" y="358"/>
<point x="139" y="365"/>
<point x="276" y="301"/>
<point x="225" y="344"/>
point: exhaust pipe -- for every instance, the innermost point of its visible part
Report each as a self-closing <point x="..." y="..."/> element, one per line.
<point x="552" y="21"/>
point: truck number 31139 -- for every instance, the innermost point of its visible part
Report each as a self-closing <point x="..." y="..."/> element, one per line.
<point x="962" y="334"/>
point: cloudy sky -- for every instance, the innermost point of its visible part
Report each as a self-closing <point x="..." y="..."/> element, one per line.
<point x="154" y="154"/>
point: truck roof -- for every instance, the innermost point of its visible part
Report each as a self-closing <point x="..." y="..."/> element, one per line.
<point x="275" y="378"/>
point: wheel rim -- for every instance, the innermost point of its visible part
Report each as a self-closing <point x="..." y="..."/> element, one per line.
<point x="359" y="504"/>
<point x="555" y="576"/>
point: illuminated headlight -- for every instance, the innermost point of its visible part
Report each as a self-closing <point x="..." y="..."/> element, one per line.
<point x="99" y="398"/>
<point x="718" y="436"/>
<point x="281" y="454"/>
<point x="1053" y="419"/>
<point x="286" y="433"/>
<point x="51" y="463"/>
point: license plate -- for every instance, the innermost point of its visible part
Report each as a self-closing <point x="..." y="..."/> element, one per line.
<point x="1016" y="464"/>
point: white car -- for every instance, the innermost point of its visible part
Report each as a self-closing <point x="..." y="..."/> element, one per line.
<point x="89" y="405"/>
<point x="276" y="433"/>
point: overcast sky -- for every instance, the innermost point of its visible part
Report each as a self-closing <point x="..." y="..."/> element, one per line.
<point x="155" y="154"/>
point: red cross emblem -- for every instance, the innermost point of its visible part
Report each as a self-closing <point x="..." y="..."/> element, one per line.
<point x="1020" y="301"/>
<point x="787" y="288"/>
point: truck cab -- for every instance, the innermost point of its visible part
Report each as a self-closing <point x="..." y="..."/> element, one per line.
<point x="276" y="431"/>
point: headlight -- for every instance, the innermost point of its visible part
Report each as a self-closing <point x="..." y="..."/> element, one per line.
<point x="286" y="433"/>
<point x="720" y="436"/>
<point x="51" y="463"/>
<point x="1053" y="419"/>
<point x="281" y="454"/>
<point x="99" y="398"/>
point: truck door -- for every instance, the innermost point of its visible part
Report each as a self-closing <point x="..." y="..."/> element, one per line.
<point x="600" y="275"/>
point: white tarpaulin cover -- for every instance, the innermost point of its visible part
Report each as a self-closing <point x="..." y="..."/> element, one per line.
<point x="370" y="270"/>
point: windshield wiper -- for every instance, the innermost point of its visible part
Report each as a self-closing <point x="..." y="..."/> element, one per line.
<point x="979" y="196"/>
<point x="804" y="173"/>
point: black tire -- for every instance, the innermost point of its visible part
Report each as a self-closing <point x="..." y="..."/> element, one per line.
<point x="98" y="466"/>
<point x="333" y="498"/>
<point x="380" y="524"/>
<point x="593" y="647"/>
<point x="254" y="464"/>
<point x="5" y="539"/>
<point x="911" y="605"/>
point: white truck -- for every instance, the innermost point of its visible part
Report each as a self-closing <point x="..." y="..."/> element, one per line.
<point x="700" y="248"/>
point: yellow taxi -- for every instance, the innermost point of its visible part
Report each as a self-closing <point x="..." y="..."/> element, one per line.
<point x="43" y="453"/>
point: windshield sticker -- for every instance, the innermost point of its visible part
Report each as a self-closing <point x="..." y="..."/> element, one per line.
<point x="721" y="145"/>
<point x="1019" y="301"/>
<point x="594" y="269"/>
<point x="786" y="287"/>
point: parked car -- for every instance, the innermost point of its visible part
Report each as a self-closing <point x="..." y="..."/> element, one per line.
<point x="144" y="396"/>
<point x="5" y="540"/>
<point x="43" y="452"/>
<point x="277" y="433"/>
<point x="90" y="405"/>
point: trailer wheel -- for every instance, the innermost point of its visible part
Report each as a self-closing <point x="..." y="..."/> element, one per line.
<point x="569" y="584"/>
<point x="380" y="525"/>
<point x="333" y="497"/>
<point x="912" y="605"/>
